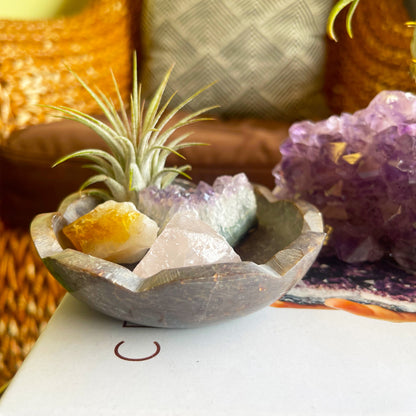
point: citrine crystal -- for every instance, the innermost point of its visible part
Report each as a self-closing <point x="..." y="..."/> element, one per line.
<point x="114" y="231"/>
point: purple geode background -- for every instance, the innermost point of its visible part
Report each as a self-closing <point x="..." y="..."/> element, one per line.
<point x="360" y="171"/>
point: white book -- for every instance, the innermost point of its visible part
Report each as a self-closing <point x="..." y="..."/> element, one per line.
<point x="273" y="362"/>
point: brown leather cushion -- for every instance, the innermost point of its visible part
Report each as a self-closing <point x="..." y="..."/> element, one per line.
<point x="28" y="184"/>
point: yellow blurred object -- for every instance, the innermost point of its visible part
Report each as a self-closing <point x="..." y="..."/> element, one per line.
<point x="377" y="58"/>
<point x="39" y="9"/>
<point x="35" y="56"/>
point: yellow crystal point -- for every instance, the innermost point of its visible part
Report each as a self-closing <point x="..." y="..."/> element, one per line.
<point x="114" y="231"/>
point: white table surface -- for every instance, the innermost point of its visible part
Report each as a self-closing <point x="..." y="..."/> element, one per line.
<point x="273" y="362"/>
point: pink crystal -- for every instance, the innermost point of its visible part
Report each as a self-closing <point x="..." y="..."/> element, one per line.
<point x="185" y="241"/>
<point x="360" y="171"/>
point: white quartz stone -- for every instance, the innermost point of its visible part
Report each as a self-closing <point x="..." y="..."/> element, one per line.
<point x="185" y="241"/>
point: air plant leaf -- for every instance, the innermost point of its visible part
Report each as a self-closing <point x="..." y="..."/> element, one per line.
<point x="167" y="175"/>
<point x="102" y="129"/>
<point x="336" y="10"/>
<point x="100" y="158"/>
<point x="118" y="191"/>
<point x="139" y="145"/>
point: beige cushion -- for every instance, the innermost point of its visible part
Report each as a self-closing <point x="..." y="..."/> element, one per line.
<point x="267" y="55"/>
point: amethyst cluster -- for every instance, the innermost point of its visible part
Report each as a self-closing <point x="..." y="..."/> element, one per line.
<point x="228" y="206"/>
<point x="360" y="171"/>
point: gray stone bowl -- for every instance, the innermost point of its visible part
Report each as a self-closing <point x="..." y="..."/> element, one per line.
<point x="276" y="254"/>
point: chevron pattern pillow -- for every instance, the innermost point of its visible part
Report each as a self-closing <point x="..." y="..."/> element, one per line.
<point x="267" y="56"/>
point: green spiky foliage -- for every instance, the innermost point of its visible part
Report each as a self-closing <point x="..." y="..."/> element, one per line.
<point x="342" y="4"/>
<point x="139" y="144"/>
<point x="336" y="10"/>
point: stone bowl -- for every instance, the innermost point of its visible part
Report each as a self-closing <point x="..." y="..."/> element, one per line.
<point x="276" y="254"/>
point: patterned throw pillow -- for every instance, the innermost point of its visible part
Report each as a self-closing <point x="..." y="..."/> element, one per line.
<point x="267" y="56"/>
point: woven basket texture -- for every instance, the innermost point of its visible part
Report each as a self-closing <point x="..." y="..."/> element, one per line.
<point x="28" y="297"/>
<point x="34" y="61"/>
<point x="377" y="58"/>
<point x="35" y="57"/>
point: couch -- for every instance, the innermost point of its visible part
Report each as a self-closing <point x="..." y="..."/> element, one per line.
<point x="303" y="76"/>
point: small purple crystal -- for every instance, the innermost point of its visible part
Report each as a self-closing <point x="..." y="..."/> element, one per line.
<point x="228" y="206"/>
<point x="360" y="171"/>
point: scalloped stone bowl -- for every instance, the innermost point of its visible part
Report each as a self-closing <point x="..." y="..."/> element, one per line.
<point x="275" y="256"/>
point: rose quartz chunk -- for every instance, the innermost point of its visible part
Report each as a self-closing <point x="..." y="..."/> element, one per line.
<point x="185" y="241"/>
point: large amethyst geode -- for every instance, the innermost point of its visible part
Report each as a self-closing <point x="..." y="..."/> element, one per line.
<point x="360" y="171"/>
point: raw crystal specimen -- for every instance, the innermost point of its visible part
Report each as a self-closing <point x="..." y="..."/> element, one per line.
<point x="113" y="231"/>
<point x="379" y="283"/>
<point x="360" y="171"/>
<point x="228" y="206"/>
<point x="185" y="241"/>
